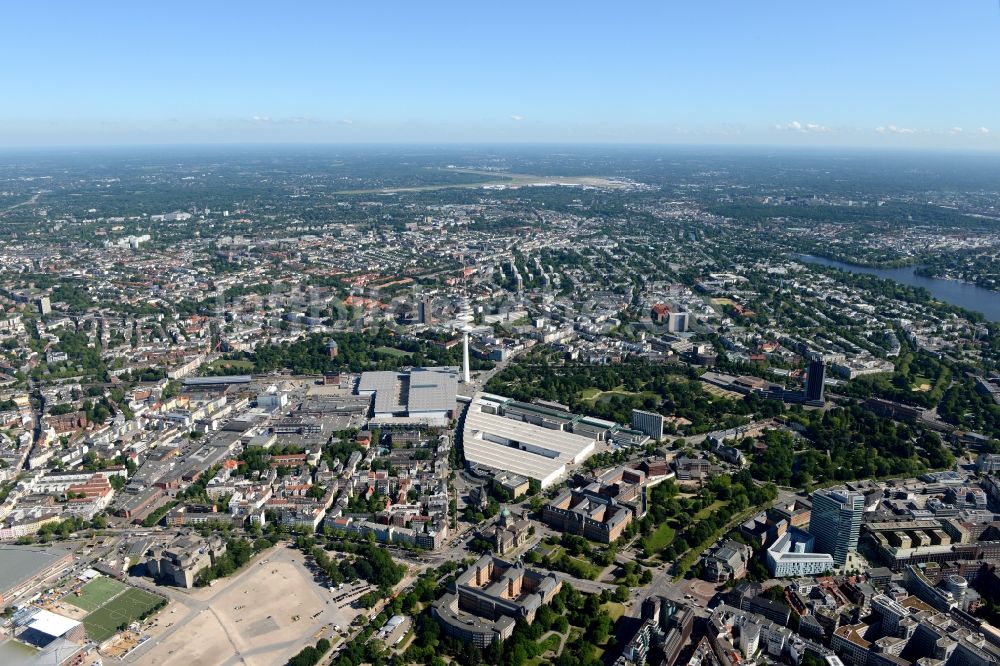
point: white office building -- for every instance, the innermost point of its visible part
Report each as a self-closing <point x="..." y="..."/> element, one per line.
<point x="791" y="556"/>
<point x="649" y="423"/>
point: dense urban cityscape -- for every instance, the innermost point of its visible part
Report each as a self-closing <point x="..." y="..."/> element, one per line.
<point x="509" y="405"/>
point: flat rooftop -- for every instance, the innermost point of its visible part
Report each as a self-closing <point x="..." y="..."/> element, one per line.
<point x="411" y="393"/>
<point x="20" y="563"/>
<point x="217" y="381"/>
<point x="51" y="624"/>
<point x="432" y="389"/>
<point x="503" y="444"/>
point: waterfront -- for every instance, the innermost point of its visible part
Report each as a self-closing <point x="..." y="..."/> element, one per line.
<point x="962" y="294"/>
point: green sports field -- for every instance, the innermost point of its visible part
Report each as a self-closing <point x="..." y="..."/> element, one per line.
<point x="96" y="593"/>
<point x="123" y="609"/>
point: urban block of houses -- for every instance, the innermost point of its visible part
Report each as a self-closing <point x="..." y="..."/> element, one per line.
<point x="490" y="597"/>
<point x="587" y="513"/>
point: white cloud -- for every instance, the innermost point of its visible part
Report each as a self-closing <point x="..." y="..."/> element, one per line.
<point x="517" y="118"/>
<point x="290" y="120"/>
<point x="346" y="121"/>
<point x="796" y="126"/>
<point x="892" y="129"/>
<point x="984" y="130"/>
<point x="956" y="130"/>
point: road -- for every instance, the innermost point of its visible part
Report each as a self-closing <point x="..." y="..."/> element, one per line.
<point x="33" y="200"/>
<point x="482" y="377"/>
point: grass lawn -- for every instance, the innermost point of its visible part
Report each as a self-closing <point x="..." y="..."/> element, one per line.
<point x="590" y="571"/>
<point x="551" y="643"/>
<point x="122" y="610"/>
<point x="96" y="593"/>
<point x="391" y="351"/>
<point x="587" y="569"/>
<point x="224" y="365"/>
<point x="607" y="395"/>
<point x="594" y="395"/>
<point x="709" y="510"/>
<point x="548" y="644"/>
<point x="660" y="537"/>
<point x="694" y="553"/>
<point x="614" y="610"/>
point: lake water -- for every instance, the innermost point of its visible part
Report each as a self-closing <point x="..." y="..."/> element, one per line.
<point x="962" y="294"/>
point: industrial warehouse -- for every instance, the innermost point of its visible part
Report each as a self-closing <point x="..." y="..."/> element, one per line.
<point x="421" y="396"/>
<point x="499" y="436"/>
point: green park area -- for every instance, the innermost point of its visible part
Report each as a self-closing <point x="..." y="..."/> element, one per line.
<point x="112" y="605"/>
<point x="660" y="537"/>
<point x="224" y="366"/>
<point x="96" y="593"/>
<point x="391" y="351"/>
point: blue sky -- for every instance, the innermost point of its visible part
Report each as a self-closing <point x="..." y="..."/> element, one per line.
<point x="891" y="73"/>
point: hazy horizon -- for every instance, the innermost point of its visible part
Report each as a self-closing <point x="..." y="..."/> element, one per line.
<point x="890" y="75"/>
<point x="695" y="148"/>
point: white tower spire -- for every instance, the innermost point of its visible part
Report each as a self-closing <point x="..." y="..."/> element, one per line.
<point x="466" y="318"/>
<point x="466" y="377"/>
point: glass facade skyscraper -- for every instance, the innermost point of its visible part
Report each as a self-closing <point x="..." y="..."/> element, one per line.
<point x="836" y="521"/>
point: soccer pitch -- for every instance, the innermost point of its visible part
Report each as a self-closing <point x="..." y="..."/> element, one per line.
<point x="96" y="593"/>
<point x="122" y="610"/>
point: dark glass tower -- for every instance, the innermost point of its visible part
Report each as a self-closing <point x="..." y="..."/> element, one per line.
<point x="814" y="380"/>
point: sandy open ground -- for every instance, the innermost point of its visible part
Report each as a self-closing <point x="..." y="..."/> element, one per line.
<point x="262" y="616"/>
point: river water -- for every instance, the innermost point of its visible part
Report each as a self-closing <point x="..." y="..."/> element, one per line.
<point x="962" y="294"/>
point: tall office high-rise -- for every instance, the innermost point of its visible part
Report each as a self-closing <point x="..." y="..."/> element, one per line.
<point x="814" y="380"/>
<point x="424" y="315"/>
<point x="836" y="521"/>
<point x="891" y="611"/>
<point x="649" y="423"/>
<point x="677" y="322"/>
